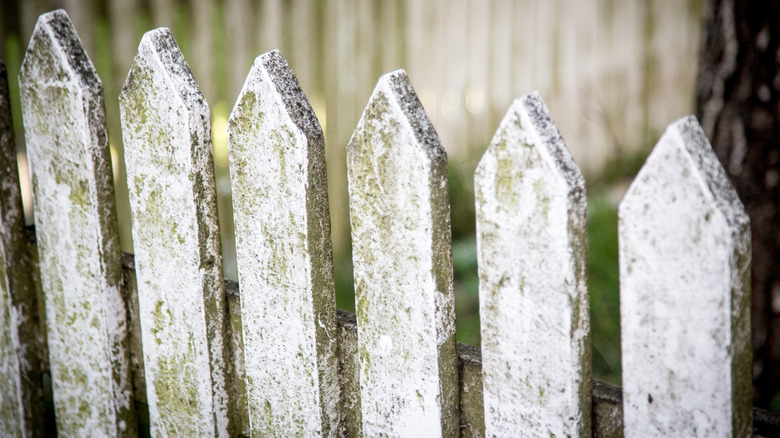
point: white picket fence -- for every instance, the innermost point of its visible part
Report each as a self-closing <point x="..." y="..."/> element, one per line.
<point x="164" y="332"/>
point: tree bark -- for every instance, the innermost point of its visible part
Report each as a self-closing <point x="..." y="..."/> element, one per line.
<point x="738" y="104"/>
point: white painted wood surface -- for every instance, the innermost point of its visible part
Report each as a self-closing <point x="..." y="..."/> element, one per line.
<point x="532" y="252"/>
<point x="685" y="294"/>
<point x="400" y="215"/>
<point x="78" y="244"/>
<point x="167" y="136"/>
<point x="22" y="347"/>
<point x="285" y="267"/>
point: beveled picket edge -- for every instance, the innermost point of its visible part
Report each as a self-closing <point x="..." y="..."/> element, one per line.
<point x="186" y="342"/>
<point x="684" y="241"/>
<point x="23" y="346"/>
<point x="280" y="209"/>
<point x="78" y="241"/>
<point x="401" y="246"/>
<point x="533" y="296"/>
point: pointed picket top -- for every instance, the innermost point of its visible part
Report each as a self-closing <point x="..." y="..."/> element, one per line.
<point x="167" y="137"/>
<point x="532" y="252"/>
<point x="685" y="294"/>
<point x="55" y="53"/>
<point x="280" y="210"/>
<point x="401" y="250"/>
<point x="21" y="343"/>
<point x="78" y="243"/>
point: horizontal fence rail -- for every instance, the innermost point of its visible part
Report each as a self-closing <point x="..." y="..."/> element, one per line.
<point x="158" y="343"/>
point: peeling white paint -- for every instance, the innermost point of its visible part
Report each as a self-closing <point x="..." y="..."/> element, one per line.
<point x="167" y="136"/>
<point x="399" y="211"/>
<point x="685" y="294"/>
<point x="78" y="244"/>
<point x="280" y="209"/>
<point x="532" y="252"/>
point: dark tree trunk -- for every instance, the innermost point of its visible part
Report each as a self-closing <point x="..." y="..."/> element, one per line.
<point x="738" y="104"/>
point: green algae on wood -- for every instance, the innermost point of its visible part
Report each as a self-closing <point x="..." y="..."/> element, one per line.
<point x="534" y="307"/>
<point x="167" y="136"/>
<point x="78" y="244"/>
<point x="400" y="215"/>
<point x="280" y="208"/>
<point x="684" y="241"/>
<point x="21" y="344"/>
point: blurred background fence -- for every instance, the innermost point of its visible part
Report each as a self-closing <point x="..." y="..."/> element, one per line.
<point x="613" y="73"/>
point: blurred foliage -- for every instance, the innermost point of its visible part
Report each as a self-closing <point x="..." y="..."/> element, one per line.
<point x="603" y="287"/>
<point x="464" y="252"/>
<point x="605" y="191"/>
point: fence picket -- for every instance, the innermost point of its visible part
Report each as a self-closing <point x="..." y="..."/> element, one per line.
<point x="399" y="209"/>
<point x="685" y="294"/>
<point x="78" y="244"/>
<point x="167" y="136"/>
<point x="280" y="208"/>
<point x="21" y="343"/>
<point x="532" y="252"/>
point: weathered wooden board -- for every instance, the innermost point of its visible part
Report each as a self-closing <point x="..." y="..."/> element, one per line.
<point x="532" y="252"/>
<point x="167" y="136"/>
<point x="21" y="345"/>
<point x="78" y="244"/>
<point x="685" y="294"/>
<point x="400" y="214"/>
<point x="280" y="208"/>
